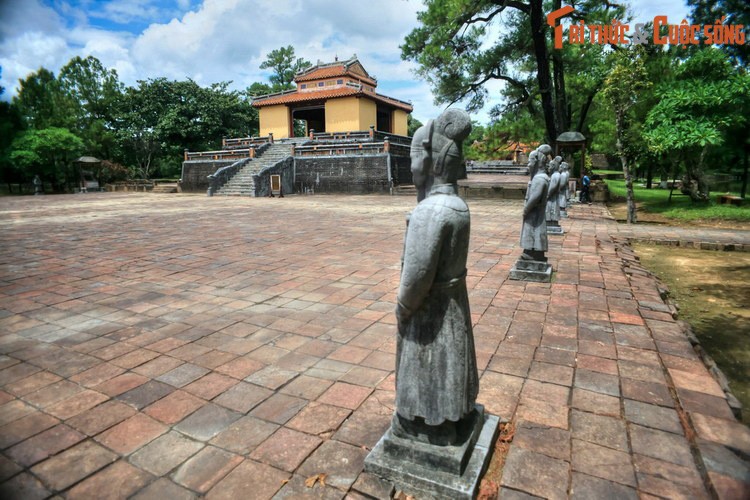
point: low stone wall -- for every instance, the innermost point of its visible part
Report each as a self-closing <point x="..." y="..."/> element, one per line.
<point x="129" y="186"/>
<point x="401" y="170"/>
<point x="342" y="174"/>
<point x="321" y="174"/>
<point x="195" y="173"/>
<point x="285" y="168"/>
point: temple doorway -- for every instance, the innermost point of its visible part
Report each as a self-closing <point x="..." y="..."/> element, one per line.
<point x="314" y="118"/>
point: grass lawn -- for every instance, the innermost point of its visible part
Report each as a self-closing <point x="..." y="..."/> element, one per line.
<point x="656" y="201"/>
<point x="607" y="172"/>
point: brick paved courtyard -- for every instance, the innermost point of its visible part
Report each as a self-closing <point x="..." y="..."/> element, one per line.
<point x="179" y="346"/>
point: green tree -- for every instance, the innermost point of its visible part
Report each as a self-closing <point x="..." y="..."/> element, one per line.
<point x="161" y="118"/>
<point x="458" y="56"/>
<point x="707" y="102"/>
<point x="412" y="124"/>
<point x="10" y="127"/>
<point x="48" y="153"/>
<point x="626" y="80"/>
<point x="42" y="103"/>
<point x="734" y="12"/>
<point x="93" y="92"/>
<point x="285" y="65"/>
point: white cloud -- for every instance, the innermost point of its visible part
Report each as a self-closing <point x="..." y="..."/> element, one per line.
<point x="218" y="40"/>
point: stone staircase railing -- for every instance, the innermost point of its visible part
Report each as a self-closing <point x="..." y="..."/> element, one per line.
<point x="242" y="179"/>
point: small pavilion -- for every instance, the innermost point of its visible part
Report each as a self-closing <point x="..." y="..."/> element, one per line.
<point x="332" y="97"/>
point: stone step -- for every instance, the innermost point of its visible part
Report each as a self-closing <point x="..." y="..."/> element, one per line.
<point x="243" y="183"/>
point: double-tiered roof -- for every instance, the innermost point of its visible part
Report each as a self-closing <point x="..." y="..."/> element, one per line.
<point x="330" y="81"/>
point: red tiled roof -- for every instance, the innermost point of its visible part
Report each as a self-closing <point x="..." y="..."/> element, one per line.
<point x="332" y="72"/>
<point x="319" y="73"/>
<point x="296" y="97"/>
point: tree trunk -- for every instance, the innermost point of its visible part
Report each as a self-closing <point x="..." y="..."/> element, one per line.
<point x="694" y="183"/>
<point x="538" y="32"/>
<point x="620" y="132"/>
<point x="743" y="191"/>
<point x="562" y="111"/>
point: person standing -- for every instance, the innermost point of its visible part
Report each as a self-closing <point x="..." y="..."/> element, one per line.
<point x="585" y="184"/>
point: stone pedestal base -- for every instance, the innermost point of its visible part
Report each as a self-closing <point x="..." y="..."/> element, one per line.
<point x="563" y="214"/>
<point x="531" y="270"/>
<point x="554" y="227"/>
<point x="430" y="471"/>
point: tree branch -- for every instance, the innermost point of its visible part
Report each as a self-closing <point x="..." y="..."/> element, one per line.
<point x="495" y="76"/>
<point x="523" y="7"/>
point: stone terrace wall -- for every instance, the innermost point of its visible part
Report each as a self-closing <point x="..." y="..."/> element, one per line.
<point x="285" y="169"/>
<point x="401" y="170"/>
<point x="195" y="173"/>
<point x="342" y="174"/>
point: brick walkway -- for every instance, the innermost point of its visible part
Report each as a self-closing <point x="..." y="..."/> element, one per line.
<point x="174" y="346"/>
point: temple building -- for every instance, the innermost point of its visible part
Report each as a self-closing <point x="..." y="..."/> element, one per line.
<point x="332" y="97"/>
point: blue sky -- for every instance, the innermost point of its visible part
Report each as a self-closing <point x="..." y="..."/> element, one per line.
<point x="220" y="40"/>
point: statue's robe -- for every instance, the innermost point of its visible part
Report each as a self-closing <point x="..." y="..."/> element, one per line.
<point x="436" y="372"/>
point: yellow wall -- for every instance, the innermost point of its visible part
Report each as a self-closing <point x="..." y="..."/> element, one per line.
<point x="368" y="114"/>
<point x="342" y="115"/>
<point x="275" y="119"/>
<point x="400" y="122"/>
<point x="349" y="114"/>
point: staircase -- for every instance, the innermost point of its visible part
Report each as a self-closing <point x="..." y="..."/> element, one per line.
<point x="243" y="183"/>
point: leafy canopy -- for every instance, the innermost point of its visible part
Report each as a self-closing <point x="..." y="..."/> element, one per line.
<point x="284" y="65"/>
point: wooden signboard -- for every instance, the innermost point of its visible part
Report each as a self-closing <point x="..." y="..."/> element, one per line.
<point x="275" y="185"/>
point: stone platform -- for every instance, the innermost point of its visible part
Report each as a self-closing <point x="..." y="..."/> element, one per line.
<point x="177" y="346"/>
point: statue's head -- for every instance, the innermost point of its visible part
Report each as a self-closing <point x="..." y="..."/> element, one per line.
<point x="436" y="149"/>
<point x="544" y="151"/>
<point x="564" y="167"/>
<point x="533" y="163"/>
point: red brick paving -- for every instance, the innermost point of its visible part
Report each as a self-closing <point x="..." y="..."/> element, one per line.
<point x="181" y="346"/>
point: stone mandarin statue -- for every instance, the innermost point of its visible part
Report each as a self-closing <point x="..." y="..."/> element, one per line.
<point x="532" y="265"/>
<point x="439" y="440"/>
<point x="436" y="373"/>
<point x="534" y="228"/>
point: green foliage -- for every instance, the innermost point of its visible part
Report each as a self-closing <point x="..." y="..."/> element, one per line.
<point x="707" y="98"/>
<point x="412" y="124"/>
<point x="146" y="127"/>
<point x="461" y="45"/>
<point x="284" y="65"/>
<point x="258" y="89"/>
<point x="48" y="152"/>
<point x="42" y="103"/>
<point x="681" y="207"/>
<point x="735" y="12"/>
<point x="93" y="92"/>
<point x="161" y="118"/>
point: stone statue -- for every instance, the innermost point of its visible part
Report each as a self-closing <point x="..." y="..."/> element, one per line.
<point x="437" y="422"/>
<point x="436" y="374"/>
<point x="38" y="185"/>
<point x="553" y="207"/>
<point x="534" y="228"/>
<point x="563" y="196"/>
<point x="532" y="265"/>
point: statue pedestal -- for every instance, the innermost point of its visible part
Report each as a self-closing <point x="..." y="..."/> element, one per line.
<point x="554" y="227"/>
<point x="531" y="270"/>
<point x="563" y="213"/>
<point x="423" y="469"/>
